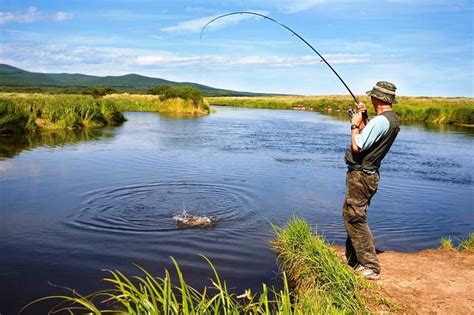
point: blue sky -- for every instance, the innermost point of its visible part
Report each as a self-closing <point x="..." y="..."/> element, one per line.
<point x="424" y="47"/>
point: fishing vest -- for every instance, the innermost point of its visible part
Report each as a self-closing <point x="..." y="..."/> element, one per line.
<point x="369" y="159"/>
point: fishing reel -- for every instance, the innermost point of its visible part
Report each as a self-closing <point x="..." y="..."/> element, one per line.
<point x="351" y="112"/>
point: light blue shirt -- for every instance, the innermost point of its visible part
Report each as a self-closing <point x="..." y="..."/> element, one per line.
<point x="372" y="132"/>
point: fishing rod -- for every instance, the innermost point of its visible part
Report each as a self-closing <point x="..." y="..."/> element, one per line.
<point x="289" y="29"/>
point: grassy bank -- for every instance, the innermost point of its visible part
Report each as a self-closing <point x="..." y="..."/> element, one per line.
<point x="324" y="283"/>
<point x="153" y="103"/>
<point x="410" y="109"/>
<point x="318" y="283"/>
<point x="30" y="112"/>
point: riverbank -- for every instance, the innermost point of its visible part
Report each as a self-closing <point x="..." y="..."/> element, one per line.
<point x="25" y="112"/>
<point x="458" y="111"/>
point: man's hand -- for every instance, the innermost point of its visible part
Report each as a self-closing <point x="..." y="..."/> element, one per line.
<point x="357" y="119"/>
<point x="361" y="107"/>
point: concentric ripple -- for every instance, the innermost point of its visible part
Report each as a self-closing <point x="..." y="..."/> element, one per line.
<point x="148" y="208"/>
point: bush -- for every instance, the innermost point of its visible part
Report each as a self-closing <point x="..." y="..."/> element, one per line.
<point x="183" y="92"/>
<point x="97" y="92"/>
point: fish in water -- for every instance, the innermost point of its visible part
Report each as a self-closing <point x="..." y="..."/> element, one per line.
<point x="186" y="220"/>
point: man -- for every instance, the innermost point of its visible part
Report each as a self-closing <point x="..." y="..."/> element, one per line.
<point x="370" y="142"/>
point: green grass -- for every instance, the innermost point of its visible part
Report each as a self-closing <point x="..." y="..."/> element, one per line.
<point x="467" y="243"/>
<point x="446" y="243"/>
<point x="152" y="103"/>
<point x="147" y="294"/>
<point x="438" y="110"/>
<point x="29" y="112"/>
<point x="316" y="273"/>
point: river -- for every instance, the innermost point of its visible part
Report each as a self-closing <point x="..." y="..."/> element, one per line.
<point x="71" y="208"/>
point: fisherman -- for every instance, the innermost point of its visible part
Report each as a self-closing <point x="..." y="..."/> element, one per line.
<point x="370" y="142"/>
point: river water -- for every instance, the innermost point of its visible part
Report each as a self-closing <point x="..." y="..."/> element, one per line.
<point x="70" y="207"/>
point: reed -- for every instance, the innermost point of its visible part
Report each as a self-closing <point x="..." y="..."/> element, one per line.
<point x="458" y="111"/>
<point x="29" y="112"/>
<point x="147" y="294"/>
<point x="316" y="273"/>
<point x="153" y="103"/>
<point x="467" y="243"/>
<point x="446" y="243"/>
<point x="24" y="112"/>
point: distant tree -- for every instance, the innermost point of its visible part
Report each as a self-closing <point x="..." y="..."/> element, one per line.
<point x="159" y="89"/>
<point x="97" y="92"/>
<point x="185" y="92"/>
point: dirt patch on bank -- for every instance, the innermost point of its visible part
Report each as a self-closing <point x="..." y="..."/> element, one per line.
<point x="428" y="282"/>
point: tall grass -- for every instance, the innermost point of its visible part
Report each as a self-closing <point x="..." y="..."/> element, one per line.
<point x="152" y="103"/>
<point x="466" y="244"/>
<point x="147" y="294"/>
<point x="318" y="283"/>
<point x="446" y="243"/>
<point x="24" y="112"/>
<point x="315" y="272"/>
<point x="409" y="109"/>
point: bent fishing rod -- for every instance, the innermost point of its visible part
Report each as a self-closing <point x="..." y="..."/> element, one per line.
<point x="289" y="29"/>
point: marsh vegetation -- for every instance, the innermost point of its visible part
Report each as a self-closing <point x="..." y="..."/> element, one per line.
<point x="437" y="110"/>
<point x="24" y="112"/>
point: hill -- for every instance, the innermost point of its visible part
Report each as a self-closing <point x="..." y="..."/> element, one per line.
<point x="15" y="79"/>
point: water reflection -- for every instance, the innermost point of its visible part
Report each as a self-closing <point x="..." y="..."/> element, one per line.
<point x="12" y="145"/>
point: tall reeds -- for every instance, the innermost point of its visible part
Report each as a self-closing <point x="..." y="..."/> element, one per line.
<point x="23" y="112"/>
<point x="316" y="273"/>
<point x="152" y="103"/>
<point x="147" y="294"/>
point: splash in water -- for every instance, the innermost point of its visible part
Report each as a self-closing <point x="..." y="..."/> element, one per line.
<point x="186" y="220"/>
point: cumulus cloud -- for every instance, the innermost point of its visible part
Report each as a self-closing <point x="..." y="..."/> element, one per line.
<point x="195" y="25"/>
<point x="31" y="15"/>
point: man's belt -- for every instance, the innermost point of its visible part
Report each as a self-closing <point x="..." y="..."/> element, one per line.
<point x="361" y="169"/>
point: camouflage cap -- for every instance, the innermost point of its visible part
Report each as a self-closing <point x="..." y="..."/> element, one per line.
<point x="384" y="91"/>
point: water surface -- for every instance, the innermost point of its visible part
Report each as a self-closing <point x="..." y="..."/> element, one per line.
<point x="70" y="208"/>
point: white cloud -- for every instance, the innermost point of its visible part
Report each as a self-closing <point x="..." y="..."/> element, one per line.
<point x="302" y="5"/>
<point x="31" y="15"/>
<point x="65" y="57"/>
<point x="62" y="16"/>
<point x="195" y="25"/>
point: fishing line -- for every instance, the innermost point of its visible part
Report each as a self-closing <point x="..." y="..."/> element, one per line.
<point x="286" y="27"/>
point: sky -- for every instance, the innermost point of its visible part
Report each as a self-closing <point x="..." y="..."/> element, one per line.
<point x="424" y="47"/>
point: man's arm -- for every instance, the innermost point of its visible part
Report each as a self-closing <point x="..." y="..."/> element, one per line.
<point x="362" y="140"/>
<point x="357" y="120"/>
<point x="363" y="109"/>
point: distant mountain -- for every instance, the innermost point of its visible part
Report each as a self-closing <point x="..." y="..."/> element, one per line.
<point x="18" y="79"/>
